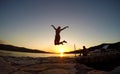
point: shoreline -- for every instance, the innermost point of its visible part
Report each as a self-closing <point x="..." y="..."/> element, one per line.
<point x="36" y="55"/>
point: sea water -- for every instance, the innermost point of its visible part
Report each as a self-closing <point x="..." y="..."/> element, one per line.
<point x="24" y="54"/>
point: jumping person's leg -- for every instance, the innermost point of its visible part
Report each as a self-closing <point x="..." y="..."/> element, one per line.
<point x="61" y="43"/>
<point x="56" y="43"/>
<point x="57" y="40"/>
<point x="64" y="41"/>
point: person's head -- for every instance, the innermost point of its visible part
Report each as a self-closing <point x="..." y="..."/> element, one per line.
<point x="59" y="27"/>
<point x="84" y="47"/>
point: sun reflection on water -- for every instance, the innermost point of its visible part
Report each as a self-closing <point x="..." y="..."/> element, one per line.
<point x="61" y="54"/>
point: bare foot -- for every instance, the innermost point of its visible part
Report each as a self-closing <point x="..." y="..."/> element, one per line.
<point x="64" y="41"/>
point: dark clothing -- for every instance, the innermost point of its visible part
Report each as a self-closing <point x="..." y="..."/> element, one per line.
<point x="57" y="37"/>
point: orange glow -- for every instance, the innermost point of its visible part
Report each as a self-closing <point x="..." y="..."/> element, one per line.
<point x="61" y="49"/>
<point x="61" y="54"/>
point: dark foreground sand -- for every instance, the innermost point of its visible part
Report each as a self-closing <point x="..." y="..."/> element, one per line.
<point x="52" y="65"/>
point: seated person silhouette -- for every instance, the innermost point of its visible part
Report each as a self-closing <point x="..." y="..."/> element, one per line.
<point x="57" y="35"/>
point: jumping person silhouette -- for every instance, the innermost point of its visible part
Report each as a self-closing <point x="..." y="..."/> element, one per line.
<point x="57" y="35"/>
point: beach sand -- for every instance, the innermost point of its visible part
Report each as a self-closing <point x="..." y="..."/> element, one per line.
<point x="50" y="65"/>
<point x="27" y="65"/>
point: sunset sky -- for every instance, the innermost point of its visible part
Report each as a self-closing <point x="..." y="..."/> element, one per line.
<point x="27" y="23"/>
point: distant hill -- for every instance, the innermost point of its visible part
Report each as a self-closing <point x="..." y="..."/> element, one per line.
<point x="19" y="49"/>
<point x="112" y="46"/>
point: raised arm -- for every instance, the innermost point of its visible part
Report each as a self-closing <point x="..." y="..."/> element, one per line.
<point x="65" y="27"/>
<point x="53" y="27"/>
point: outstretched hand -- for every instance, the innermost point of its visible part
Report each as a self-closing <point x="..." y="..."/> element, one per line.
<point x="67" y="26"/>
<point x="52" y="25"/>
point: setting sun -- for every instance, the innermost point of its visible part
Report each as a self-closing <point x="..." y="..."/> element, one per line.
<point x="61" y="49"/>
<point x="61" y="52"/>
